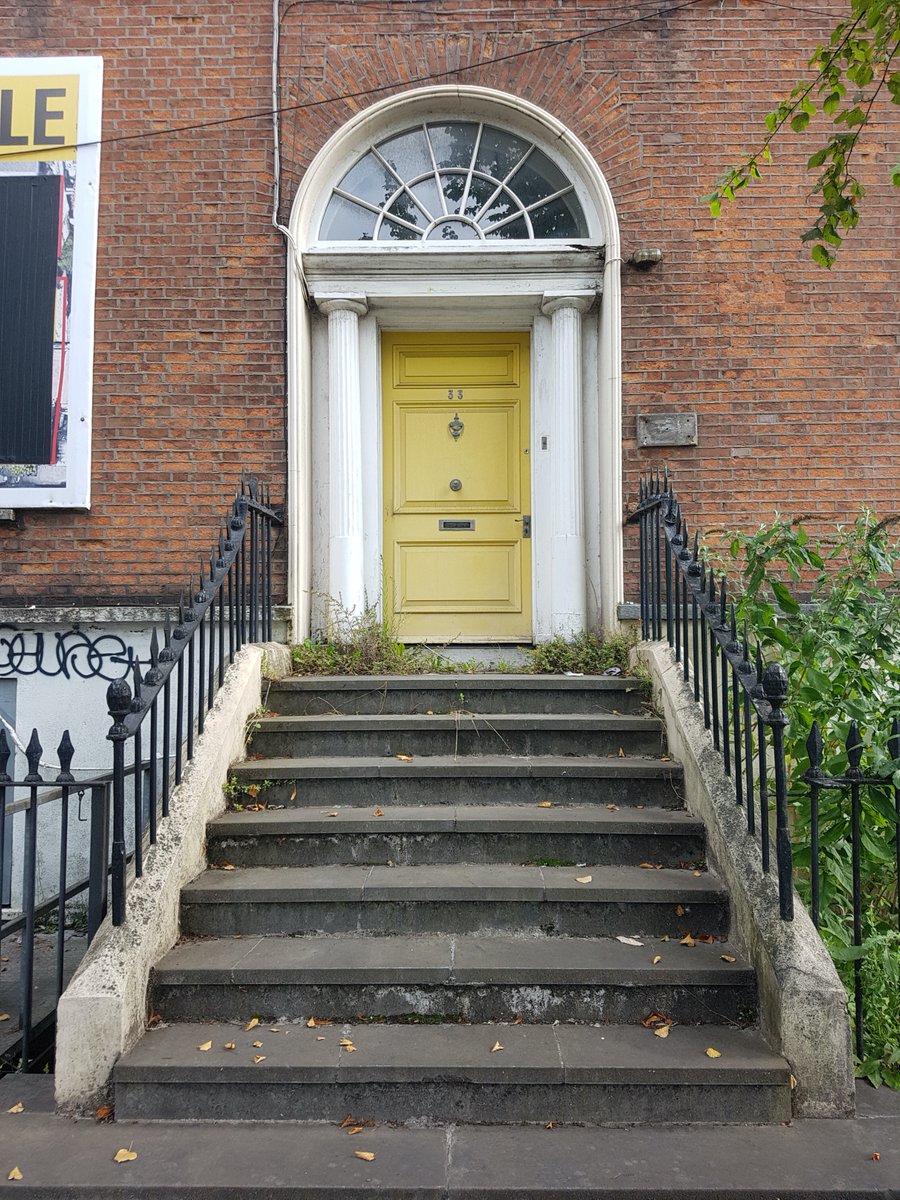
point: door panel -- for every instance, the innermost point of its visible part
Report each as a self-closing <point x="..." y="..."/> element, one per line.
<point x="457" y="485"/>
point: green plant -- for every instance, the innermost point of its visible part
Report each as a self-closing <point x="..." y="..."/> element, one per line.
<point x="583" y="654"/>
<point x="830" y="612"/>
<point x="359" y="643"/>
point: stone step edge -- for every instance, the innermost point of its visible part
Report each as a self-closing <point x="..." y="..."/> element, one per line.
<point x="647" y="820"/>
<point x="464" y="722"/>
<point x="442" y="766"/>
<point x="440" y="682"/>
<point x="488" y="1053"/>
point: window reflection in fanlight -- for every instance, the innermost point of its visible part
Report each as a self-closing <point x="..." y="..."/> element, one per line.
<point x="453" y="181"/>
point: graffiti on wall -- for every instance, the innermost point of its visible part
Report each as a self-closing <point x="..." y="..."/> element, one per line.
<point x="67" y="654"/>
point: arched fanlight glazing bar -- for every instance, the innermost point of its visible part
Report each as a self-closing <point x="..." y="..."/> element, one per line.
<point x="452" y="181"/>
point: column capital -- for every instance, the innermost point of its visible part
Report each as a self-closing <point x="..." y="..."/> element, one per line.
<point x="332" y="302"/>
<point x="552" y="302"/>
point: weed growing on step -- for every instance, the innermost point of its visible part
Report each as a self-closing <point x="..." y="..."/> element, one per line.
<point x="583" y="654"/>
<point x="359" y="643"/>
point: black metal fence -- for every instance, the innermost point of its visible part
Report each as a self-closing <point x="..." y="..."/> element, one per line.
<point x="744" y="705"/>
<point x="850" y="827"/>
<point x="157" y="717"/>
<point x="742" y="698"/>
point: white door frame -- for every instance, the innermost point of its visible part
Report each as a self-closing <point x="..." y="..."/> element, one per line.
<point x="341" y="295"/>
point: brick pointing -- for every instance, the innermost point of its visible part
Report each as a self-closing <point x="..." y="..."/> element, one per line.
<point x="793" y="371"/>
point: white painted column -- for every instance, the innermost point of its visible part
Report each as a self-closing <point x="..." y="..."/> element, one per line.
<point x="568" y="580"/>
<point x="346" y="549"/>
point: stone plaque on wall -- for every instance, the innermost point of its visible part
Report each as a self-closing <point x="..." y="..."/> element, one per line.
<point x="667" y="429"/>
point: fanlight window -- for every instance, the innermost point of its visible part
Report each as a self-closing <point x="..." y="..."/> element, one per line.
<point x="453" y="181"/>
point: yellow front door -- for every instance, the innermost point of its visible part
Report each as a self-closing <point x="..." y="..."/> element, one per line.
<point x="457" y="486"/>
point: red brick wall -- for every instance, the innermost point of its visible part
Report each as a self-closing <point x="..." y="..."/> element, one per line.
<point x="793" y="371"/>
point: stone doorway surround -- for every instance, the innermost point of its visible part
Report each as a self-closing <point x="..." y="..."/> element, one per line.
<point x="341" y="296"/>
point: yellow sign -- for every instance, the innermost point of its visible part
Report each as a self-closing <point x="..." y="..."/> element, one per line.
<point x="38" y="117"/>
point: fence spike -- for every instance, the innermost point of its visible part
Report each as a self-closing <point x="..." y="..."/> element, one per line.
<point x="5" y="755"/>
<point x="154" y="675"/>
<point x="65" y="752"/>
<point x="167" y="654"/>
<point x="757" y="689"/>
<point x="854" y="748"/>
<point x="33" y="752"/>
<point x="734" y="646"/>
<point x="723" y="606"/>
<point x="201" y="595"/>
<point x="814" y="746"/>
<point x="137" y="703"/>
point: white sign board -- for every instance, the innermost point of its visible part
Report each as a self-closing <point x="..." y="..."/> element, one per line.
<point x="50" y="128"/>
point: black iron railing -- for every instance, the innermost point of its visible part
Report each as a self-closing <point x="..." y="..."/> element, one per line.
<point x="854" y="783"/>
<point x="743" y="702"/>
<point x="158" y="716"/>
<point x="743" y="699"/>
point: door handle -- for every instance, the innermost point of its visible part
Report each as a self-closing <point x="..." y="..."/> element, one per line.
<point x="525" y="522"/>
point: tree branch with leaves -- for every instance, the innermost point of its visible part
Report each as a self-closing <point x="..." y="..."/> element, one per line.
<point x="853" y="70"/>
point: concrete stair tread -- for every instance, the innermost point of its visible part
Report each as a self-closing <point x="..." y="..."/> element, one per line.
<point x="293" y="1053"/>
<point x="462" y="959"/>
<point x="457" y="683"/>
<point x="495" y="722"/>
<point x="470" y="818"/>
<point x="474" y="882"/>
<point x="448" y="766"/>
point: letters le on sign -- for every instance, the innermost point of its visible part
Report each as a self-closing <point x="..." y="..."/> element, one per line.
<point x="50" y="110"/>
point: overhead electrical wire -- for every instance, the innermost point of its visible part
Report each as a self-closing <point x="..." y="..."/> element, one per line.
<point x="257" y="114"/>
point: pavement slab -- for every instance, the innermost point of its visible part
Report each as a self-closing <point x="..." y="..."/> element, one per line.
<point x="62" y="1159"/>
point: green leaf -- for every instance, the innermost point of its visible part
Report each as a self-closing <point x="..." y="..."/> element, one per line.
<point x="799" y="122"/>
<point x="785" y="600"/>
<point x="715" y="206"/>
<point x="822" y="257"/>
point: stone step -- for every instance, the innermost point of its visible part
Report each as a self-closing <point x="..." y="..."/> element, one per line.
<point x="476" y="779"/>
<point x="449" y="1073"/>
<point x="490" y="693"/>
<point x="432" y="834"/>
<point x="469" y="977"/>
<point x="457" y="898"/>
<point x="458" y="735"/>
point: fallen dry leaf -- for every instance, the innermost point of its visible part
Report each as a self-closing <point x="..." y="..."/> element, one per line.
<point x="4" y="1016"/>
<point x="104" y="1112"/>
<point x="657" y="958"/>
<point x="227" y="866"/>
<point x="651" y="866"/>
<point x="293" y="795"/>
<point x="583" y="878"/>
<point x="687" y="940"/>
<point x="875" y="1156"/>
<point x="229" y="1046"/>
<point x="258" y="1058"/>
<point x="621" y="752"/>
<point x="497" y="1046"/>
<point x="662" y="1032"/>
<point x="727" y="958"/>
<point x="664" y="938"/>
<point x="365" y="1155"/>
<point x="355" y="1129"/>
<point x="205" y="1046"/>
<point x="679" y="910"/>
<point x="544" y="804"/>
<point x="332" y="814"/>
<point x="256" y="1045"/>
<point x="379" y="812"/>
<point x="274" y="1029"/>
<point x="520" y="1017"/>
<point x="348" y="1120"/>
<point x="321" y="1037"/>
<point x="697" y="874"/>
<point x="628" y="941"/>
<point x="403" y="758"/>
<point x="710" y="1053"/>
<point x="549" y="1125"/>
<point x="124" y="1155"/>
<point x="251" y="1024"/>
<point x="17" y="1108"/>
<point x="655" y="1019"/>
<point x="347" y="1045"/>
<point x="793" y="1082"/>
<point x="15" y="1173"/>
<point x="613" y="807"/>
<point x="706" y="938"/>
